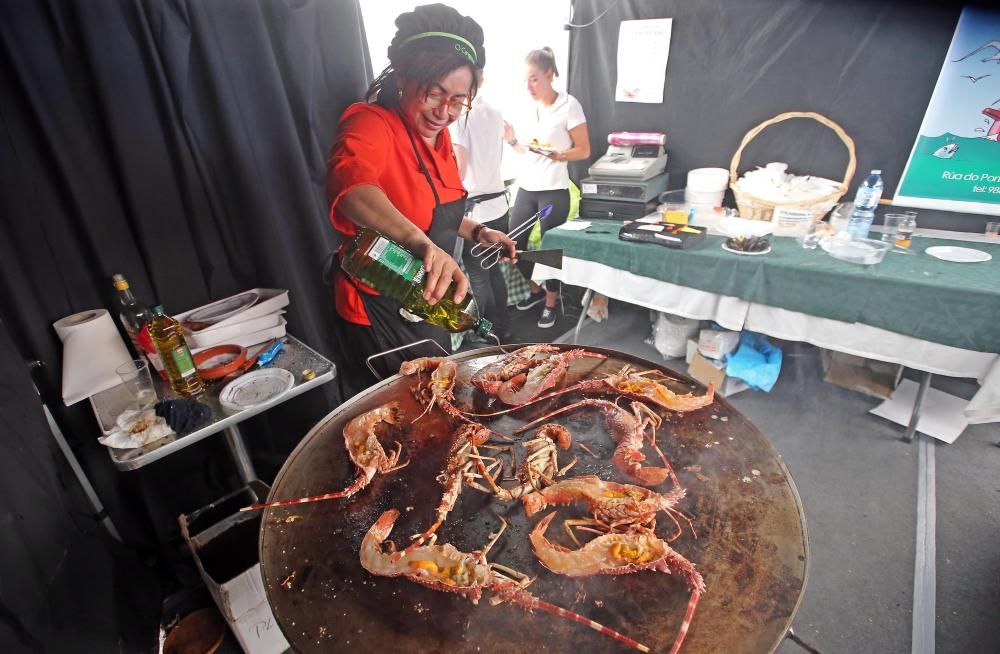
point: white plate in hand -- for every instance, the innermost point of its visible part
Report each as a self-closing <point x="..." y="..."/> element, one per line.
<point x="958" y="254"/>
<point x="541" y="149"/>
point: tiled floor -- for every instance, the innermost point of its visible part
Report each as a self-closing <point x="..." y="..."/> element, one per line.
<point x="858" y="483"/>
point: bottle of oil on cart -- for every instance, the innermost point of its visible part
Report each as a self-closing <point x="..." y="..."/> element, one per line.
<point x="394" y="271"/>
<point x="168" y="336"/>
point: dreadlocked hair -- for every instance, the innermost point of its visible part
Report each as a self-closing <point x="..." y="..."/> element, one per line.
<point x="419" y="61"/>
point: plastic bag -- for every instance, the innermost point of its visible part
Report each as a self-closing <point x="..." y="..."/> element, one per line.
<point x="756" y="362"/>
<point x="671" y="334"/>
<point x="598" y="308"/>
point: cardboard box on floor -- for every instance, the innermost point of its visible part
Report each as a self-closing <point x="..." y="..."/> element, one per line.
<point x="223" y="543"/>
<point x="708" y="372"/>
<point x="874" y="378"/>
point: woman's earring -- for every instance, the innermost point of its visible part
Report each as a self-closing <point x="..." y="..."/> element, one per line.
<point x="399" y="93"/>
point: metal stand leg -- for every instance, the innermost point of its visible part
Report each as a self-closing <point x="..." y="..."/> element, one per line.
<point x="234" y="439"/>
<point x="587" y="297"/>
<point x="801" y="643"/>
<point x="88" y="489"/>
<point x="918" y="403"/>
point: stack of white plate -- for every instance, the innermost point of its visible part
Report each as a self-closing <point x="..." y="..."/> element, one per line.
<point x="247" y="318"/>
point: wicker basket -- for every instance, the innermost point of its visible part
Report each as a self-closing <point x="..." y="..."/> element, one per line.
<point x="756" y="208"/>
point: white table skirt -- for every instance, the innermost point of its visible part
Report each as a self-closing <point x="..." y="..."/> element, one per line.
<point x="737" y="314"/>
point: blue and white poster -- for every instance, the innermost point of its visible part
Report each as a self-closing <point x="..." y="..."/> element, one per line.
<point x="955" y="162"/>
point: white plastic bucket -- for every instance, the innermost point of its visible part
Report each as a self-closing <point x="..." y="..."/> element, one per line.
<point x="704" y="198"/>
<point x="710" y="180"/>
<point x="706" y="186"/>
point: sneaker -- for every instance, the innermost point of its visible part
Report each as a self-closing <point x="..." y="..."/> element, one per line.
<point x="531" y="300"/>
<point x="548" y="318"/>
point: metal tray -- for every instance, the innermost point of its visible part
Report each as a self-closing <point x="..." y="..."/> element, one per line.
<point x="752" y="546"/>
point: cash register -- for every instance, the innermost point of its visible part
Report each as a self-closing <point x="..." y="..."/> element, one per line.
<point x="625" y="183"/>
<point x="632" y="155"/>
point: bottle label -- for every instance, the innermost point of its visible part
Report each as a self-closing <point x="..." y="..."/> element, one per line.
<point x="397" y="259"/>
<point x="185" y="364"/>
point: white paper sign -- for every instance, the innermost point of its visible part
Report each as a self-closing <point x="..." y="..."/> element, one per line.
<point x="791" y="222"/>
<point x="643" y="46"/>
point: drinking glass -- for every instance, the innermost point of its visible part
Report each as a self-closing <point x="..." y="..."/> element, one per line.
<point x="992" y="230"/>
<point x="135" y="376"/>
<point x="904" y="231"/>
<point x="890" y="225"/>
<point x="811" y="236"/>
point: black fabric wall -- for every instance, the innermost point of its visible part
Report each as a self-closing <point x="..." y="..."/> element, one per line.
<point x="870" y="66"/>
<point x="183" y="144"/>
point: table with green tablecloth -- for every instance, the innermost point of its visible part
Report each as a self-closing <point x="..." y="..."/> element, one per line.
<point x="913" y="309"/>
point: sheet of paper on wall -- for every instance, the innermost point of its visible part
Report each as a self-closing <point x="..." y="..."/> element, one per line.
<point x="643" y="46"/>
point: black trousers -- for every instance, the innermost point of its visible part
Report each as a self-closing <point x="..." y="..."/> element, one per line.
<point x="526" y="205"/>
<point x="387" y="331"/>
<point x="488" y="286"/>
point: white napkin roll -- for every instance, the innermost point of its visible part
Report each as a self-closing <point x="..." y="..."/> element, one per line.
<point x="92" y="351"/>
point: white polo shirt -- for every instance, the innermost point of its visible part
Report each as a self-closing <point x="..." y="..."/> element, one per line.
<point x="480" y="132"/>
<point x="550" y="127"/>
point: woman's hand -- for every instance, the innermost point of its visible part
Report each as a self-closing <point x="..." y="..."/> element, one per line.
<point x="493" y="236"/>
<point x="508" y="132"/>
<point x="557" y="156"/>
<point x="442" y="270"/>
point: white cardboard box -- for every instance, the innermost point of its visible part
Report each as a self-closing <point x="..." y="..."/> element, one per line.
<point x="269" y="301"/>
<point x="250" y="339"/>
<point x="708" y="372"/>
<point x="249" y="615"/>
<point x="222" y="539"/>
<point x="217" y="335"/>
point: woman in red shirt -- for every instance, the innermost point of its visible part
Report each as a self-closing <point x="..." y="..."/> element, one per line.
<point x="392" y="169"/>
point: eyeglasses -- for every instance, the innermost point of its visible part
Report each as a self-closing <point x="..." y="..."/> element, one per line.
<point x="455" y="105"/>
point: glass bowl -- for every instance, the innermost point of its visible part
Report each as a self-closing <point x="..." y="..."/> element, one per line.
<point x="863" y="251"/>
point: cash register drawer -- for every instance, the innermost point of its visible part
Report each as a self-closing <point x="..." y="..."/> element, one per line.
<point x="614" y="209"/>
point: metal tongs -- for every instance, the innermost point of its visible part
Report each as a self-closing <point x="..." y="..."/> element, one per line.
<point x="490" y="255"/>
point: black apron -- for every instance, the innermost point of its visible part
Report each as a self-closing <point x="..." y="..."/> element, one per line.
<point x="389" y="329"/>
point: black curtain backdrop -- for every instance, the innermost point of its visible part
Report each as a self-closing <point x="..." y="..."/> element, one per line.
<point x="182" y="143"/>
<point x="869" y="66"/>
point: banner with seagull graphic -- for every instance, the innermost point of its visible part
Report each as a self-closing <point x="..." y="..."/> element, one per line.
<point x="955" y="163"/>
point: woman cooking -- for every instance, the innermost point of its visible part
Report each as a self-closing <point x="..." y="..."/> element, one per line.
<point x="392" y="169"/>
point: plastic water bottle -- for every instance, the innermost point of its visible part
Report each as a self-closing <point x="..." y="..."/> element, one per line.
<point x="865" y="201"/>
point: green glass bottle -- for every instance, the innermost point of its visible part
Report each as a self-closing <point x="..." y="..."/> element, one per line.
<point x="394" y="271"/>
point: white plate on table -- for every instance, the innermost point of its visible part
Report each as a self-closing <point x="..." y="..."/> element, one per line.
<point x="255" y="388"/>
<point x="958" y="254"/>
<point x="747" y="254"/>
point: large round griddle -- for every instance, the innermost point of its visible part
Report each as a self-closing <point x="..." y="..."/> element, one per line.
<point x="751" y="544"/>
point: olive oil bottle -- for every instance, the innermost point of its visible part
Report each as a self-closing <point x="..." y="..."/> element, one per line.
<point x="394" y="271"/>
<point x="168" y="336"/>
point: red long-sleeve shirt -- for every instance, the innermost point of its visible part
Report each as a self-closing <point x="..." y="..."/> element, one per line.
<point x="372" y="148"/>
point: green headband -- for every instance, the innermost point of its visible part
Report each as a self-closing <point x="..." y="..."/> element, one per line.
<point x="468" y="51"/>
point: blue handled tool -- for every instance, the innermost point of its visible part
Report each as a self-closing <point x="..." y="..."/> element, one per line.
<point x="267" y="355"/>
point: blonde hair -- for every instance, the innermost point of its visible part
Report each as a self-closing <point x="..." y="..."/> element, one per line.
<point x="544" y="59"/>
